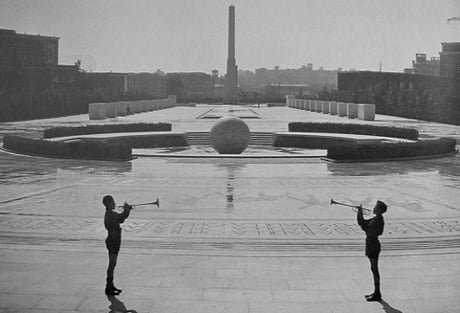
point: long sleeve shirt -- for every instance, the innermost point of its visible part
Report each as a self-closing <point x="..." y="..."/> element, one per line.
<point x="112" y="220"/>
<point x="372" y="227"/>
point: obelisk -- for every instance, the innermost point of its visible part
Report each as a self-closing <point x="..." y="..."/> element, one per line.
<point x="231" y="78"/>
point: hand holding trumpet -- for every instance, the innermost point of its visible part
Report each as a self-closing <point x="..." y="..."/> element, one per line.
<point x="127" y="206"/>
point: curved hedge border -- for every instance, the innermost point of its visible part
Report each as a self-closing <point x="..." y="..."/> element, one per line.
<point x="78" y="149"/>
<point x="103" y="129"/>
<point x="359" y="129"/>
<point x="388" y="150"/>
<point x="150" y="141"/>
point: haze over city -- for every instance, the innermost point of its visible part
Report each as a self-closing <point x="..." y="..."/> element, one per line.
<point x="191" y="35"/>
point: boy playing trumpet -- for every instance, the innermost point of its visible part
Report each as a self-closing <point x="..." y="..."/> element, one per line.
<point x="112" y="221"/>
<point x="373" y="228"/>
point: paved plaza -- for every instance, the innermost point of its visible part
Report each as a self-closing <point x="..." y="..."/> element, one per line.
<point x="231" y="235"/>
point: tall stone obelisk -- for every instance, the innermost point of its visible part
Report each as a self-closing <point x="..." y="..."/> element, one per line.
<point x="231" y="78"/>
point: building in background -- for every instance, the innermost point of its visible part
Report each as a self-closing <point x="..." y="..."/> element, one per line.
<point x="280" y="91"/>
<point x="450" y="60"/>
<point x="151" y="85"/>
<point x="192" y="86"/>
<point x="423" y="66"/>
<point x="432" y="97"/>
<point x="112" y="85"/>
<point x="23" y="50"/>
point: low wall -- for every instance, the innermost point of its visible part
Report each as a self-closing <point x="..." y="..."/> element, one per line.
<point x="362" y="111"/>
<point x="103" y="110"/>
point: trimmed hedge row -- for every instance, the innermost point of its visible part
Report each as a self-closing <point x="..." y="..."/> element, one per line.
<point x="78" y="149"/>
<point x="307" y="143"/>
<point x="102" y="129"/>
<point x="144" y="142"/>
<point x="388" y="150"/>
<point x="359" y="129"/>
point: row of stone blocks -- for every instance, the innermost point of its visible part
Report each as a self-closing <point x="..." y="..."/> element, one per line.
<point x="363" y="111"/>
<point x="103" y="110"/>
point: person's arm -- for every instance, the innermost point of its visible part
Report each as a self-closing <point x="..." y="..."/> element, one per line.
<point x="360" y="217"/>
<point x="126" y="210"/>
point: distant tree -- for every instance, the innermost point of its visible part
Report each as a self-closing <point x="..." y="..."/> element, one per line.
<point x="175" y="85"/>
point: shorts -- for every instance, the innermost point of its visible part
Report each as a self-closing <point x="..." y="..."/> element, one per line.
<point x="372" y="248"/>
<point x="113" y="243"/>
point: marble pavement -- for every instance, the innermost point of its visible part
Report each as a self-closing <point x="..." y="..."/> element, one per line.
<point x="230" y="235"/>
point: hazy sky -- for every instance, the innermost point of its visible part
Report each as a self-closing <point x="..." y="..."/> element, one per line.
<point x="191" y="35"/>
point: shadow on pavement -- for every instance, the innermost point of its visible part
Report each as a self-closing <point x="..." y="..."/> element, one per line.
<point x="116" y="306"/>
<point x="388" y="308"/>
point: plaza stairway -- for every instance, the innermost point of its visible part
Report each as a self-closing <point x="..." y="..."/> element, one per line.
<point x="256" y="139"/>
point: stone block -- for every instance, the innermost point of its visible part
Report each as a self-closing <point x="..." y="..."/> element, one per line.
<point x="318" y="106"/>
<point x="342" y="108"/>
<point x="333" y="108"/>
<point x="352" y="110"/>
<point x="137" y="106"/>
<point x="111" y="109"/>
<point x="96" y="111"/>
<point x="156" y="104"/>
<point x="366" y="111"/>
<point x="289" y="100"/>
<point x="130" y="107"/>
<point x="326" y="107"/>
<point x="149" y="105"/>
<point x="304" y="105"/>
<point x="122" y="108"/>
<point x="144" y="105"/>
<point x="172" y="100"/>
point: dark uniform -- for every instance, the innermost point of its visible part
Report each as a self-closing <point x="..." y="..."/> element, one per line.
<point x="373" y="228"/>
<point x="112" y="221"/>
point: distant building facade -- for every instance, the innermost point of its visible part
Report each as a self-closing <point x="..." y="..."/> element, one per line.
<point x="29" y="63"/>
<point x="450" y="60"/>
<point x="147" y="84"/>
<point x="190" y="86"/>
<point x="111" y="84"/>
<point x="280" y="91"/>
<point x="423" y="66"/>
<point x="306" y="75"/>
<point x="23" y="50"/>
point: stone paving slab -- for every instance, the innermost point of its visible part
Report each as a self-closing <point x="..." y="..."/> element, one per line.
<point x="73" y="281"/>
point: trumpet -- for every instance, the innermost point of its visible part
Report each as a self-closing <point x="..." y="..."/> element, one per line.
<point x="156" y="202"/>
<point x="354" y="207"/>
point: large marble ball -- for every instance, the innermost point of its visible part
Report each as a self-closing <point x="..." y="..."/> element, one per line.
<point x="229" y="135"/>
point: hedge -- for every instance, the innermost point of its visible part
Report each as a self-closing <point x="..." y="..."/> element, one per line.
<point x="307" y="142"/>
<point x="359" y="129"/>
<point x="78" y="149"/>
<point x="106" y="128"/>
<point x="388" y="150"/>
<point x="153" y="141"/>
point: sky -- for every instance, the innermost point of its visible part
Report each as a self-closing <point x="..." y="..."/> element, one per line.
<point x="191" y="35"/>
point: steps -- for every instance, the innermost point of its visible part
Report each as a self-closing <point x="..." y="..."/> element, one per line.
<point x="256" y="139"/>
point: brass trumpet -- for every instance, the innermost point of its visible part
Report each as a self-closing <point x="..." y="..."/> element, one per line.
<point x="354" y="207"/>
<point x="156" y="202"/>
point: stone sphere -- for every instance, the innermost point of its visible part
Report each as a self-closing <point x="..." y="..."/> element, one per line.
<point x="229" y="135"/>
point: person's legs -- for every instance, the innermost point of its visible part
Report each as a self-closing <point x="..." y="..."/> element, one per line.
<point x="110" y="288"/>
<point x="376" y="296"/>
